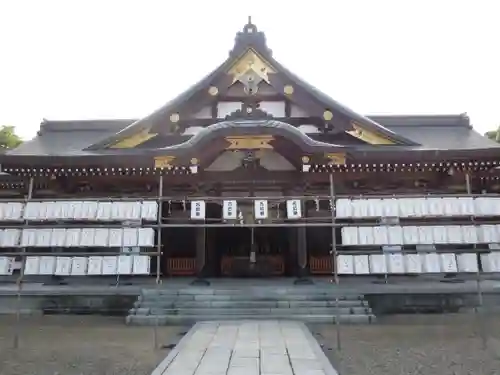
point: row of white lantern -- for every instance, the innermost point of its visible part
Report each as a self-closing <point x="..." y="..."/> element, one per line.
<point x="376" y="264"/>
<point x="420" y="235"/>
<point x="261" y="209"/>
<point x="80" y="266"/>
<point x="77" y="237"/>
<point x="79" y="210"/>
<point x="417" y="207"/>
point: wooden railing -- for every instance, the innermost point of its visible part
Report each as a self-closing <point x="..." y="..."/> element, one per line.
<point x="321" y="265"/>
<point x="181" y="266"/>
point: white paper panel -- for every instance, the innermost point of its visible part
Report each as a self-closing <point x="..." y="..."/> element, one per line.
<point x="413" y="263"/>
<point x="28" y="238"/>
<point x="395" y="235"/>
<point x="89" y="210"/>
<point x="361" y="264"/>
<point x="375" y="208"/>
<point x="118" y="211"/>
<point x="380" y="235"/>
<point x="63" y="266"/>
<point x="47" y="265"/>
<point x="465" y="206"/>
<point x="406" y="207"/>
<point x="141" y="265"/>
<point x="130" y="237"/>
<point x="260" y="209"/>
<point x="421" y="207"/>
<point x="124" y="265"/>
<point x="365" y="235"/>
<point x="146" y="237"/>
<point x="345" y="264"/>
<point x="488" y="234"/>
<point x="43" y="237"/>
<point x="435" y="207"/>
<point x="198" y="210"/>
<point x="454" y="234"/>
<point x="101" y="237"/>
<point x="115" y="237"/>
<point x="391" y="207"/>
<point x="11" y="237"/>
<point x="149" y="210"/>
<point x="448" y="263"/>
<point x="95" y="265"/>
<point x="431" y="263"/>
<point x="350" y="236"/>
<point x="12" y="211"/>
<point x="77" y="209"/>
<point x="5" y="266"/>
<point x="79" y="266"/>
<point x="32" y="211"/>
<point x="395" y="263"/>
<point x="32" y="265"/>
<point x="66" y="210"/>
<point x="425" y="235"/>
<point x="293" y="209"/>
<point x="343" y="208"/>
<point x="410" y="235"/>
<point x="467" y="262"/>
<point x="58" y="237"/>
<point x="87" y="237"/>
<point x="439" y="234"/>
<point x="451" y="207"/>
<point x="469" y="234"/>
<point x="109" y="265"/>
<point x="378" y="264"/>
<point x="104" y="211"/>
<point x="72" y="237"/>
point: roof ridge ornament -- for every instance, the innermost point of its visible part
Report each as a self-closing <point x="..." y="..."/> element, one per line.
<point x="249" y="111"/>
<point x="249" y="37"/>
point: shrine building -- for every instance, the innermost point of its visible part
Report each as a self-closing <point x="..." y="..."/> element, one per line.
<point x="251" y="172"/>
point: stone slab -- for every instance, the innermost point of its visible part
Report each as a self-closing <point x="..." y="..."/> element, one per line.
<point x="270" y="347"/>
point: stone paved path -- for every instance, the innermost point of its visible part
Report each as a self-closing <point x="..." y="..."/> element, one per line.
<point x="247" y="348"/>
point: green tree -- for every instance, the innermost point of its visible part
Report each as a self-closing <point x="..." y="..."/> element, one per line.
<point x="8" y="137"/>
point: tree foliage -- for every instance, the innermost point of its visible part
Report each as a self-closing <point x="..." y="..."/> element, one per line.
<point x="8" y="137"/>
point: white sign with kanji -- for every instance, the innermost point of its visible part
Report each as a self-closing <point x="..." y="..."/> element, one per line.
<point x="229" y="210"/>
<point x="261" y="209"/>
<point x="293" y="209"/>
<point x="198" y="210"/>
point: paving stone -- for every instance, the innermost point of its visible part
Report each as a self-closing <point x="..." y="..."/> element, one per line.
<point x="247" y="348"/>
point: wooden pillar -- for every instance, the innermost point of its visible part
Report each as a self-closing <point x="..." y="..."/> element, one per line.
<point x="200" y="251"/>
<point x="301" y="251"/>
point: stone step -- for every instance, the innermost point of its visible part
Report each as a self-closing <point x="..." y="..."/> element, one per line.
<point x="248" y="304"/>
<point x="256" y="311"/>
<point x="151" y="320"/>
<point x="242" y="297"/>
<point x="307" y="290"/>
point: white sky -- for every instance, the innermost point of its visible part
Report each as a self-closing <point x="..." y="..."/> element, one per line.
<point x="123" y="59"/>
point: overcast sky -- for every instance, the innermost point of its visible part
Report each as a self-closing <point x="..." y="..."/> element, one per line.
<point x="123" y="59"/>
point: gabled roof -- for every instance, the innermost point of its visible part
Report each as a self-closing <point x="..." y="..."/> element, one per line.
<point x="250" y="40"/>
<point x="72" y="138"/>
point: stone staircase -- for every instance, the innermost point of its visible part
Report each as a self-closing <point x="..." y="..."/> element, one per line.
<point x="310" y="304"/>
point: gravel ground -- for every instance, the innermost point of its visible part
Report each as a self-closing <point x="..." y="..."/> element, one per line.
<point x="82" y="345"/>
<point x="415" y="344"/>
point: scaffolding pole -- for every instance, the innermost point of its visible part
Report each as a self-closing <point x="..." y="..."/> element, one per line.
<point x="17" y="327"/>
<point x="158" y="256"/>
<point x="479" y="291"/>
<point x="334" y="260"/>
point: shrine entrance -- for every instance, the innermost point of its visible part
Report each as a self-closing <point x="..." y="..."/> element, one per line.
<point x="249" y="252"/>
